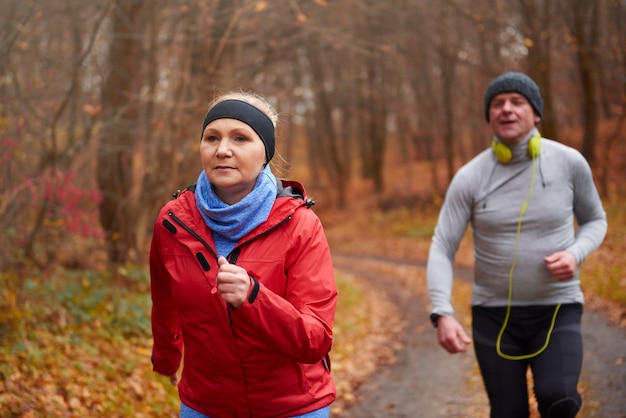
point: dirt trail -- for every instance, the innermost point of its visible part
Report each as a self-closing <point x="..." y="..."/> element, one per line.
<point x="426" y="381"/>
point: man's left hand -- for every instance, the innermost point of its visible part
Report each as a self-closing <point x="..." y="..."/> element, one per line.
<point x="561" y="264"/>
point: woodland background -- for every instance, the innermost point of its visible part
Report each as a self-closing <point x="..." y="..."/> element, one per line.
<point x="101" y="104"/>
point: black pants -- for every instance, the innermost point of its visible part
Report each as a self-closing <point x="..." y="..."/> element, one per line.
<point x="555" y="371"/>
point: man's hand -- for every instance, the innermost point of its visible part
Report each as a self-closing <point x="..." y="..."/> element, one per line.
<point x="451" y="335"/>
<point x="561" y="264"/>
<point x="233" y="283"/>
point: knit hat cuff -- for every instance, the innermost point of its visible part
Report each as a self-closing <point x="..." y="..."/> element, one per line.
<point x="513" y="82"/>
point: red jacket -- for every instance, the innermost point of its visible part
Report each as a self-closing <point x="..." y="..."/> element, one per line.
<point x="268" y="358"/>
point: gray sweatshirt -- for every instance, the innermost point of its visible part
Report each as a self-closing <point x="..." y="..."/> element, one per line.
<point x="489" y="196"/>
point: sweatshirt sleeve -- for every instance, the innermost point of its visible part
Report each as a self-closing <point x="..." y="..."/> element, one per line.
<point x="588" y="210"/>
<point x="452" y="223"/>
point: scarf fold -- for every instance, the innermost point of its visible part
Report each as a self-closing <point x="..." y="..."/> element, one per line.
<point x="230" y="223"/>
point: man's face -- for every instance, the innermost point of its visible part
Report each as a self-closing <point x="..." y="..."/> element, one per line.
<point x="511" y="117"/>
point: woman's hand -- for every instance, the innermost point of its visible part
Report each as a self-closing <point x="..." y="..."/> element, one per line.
<point x="233" y="283"/>
<point x="174" y="379"/>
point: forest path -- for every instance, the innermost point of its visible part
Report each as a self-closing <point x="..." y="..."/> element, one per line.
<point x="424" y="380"/>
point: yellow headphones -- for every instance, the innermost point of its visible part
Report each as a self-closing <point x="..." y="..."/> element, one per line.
<point x="504" y="154"/>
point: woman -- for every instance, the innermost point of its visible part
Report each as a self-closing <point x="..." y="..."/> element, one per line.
<point x="242" y="279"/>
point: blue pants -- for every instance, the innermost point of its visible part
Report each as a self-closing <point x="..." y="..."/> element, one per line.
<point x="555" y="371"/>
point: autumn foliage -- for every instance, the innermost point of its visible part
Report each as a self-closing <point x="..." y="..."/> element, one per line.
<point x="376" y="114"/>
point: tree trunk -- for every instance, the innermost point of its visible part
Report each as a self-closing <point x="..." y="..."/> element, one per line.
<point x="536" y="31"/>
<point x="448" y="63"/>
<point x="586" y="56"/>
<point x="117" y="145"/>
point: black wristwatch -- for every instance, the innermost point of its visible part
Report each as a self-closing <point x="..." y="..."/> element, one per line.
<point x="434" y="318"/>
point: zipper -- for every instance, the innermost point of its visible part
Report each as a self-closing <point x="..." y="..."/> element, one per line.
<point x="238" y="247"/>
<point x="208" y="247"/>
<point x="198" y="237"/>
<point x="234" y="254"/>
<point x="192" y="232"/>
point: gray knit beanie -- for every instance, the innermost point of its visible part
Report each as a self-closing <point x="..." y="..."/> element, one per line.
<point x="514" y="83"/>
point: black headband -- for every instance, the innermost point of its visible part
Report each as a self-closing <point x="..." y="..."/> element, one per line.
<point x="248" y="114"/>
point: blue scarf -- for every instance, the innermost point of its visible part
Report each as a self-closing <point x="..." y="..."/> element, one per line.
<point x="230" y="223"/>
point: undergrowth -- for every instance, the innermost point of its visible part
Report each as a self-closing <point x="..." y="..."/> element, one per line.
<point x="78" y="343"/>
<point x="604" y="272"/>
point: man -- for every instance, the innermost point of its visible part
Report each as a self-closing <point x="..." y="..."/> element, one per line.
<point x="522" y="197"/>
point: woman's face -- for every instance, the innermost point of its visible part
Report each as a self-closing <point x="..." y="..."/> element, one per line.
<point x="232" y="155"/>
